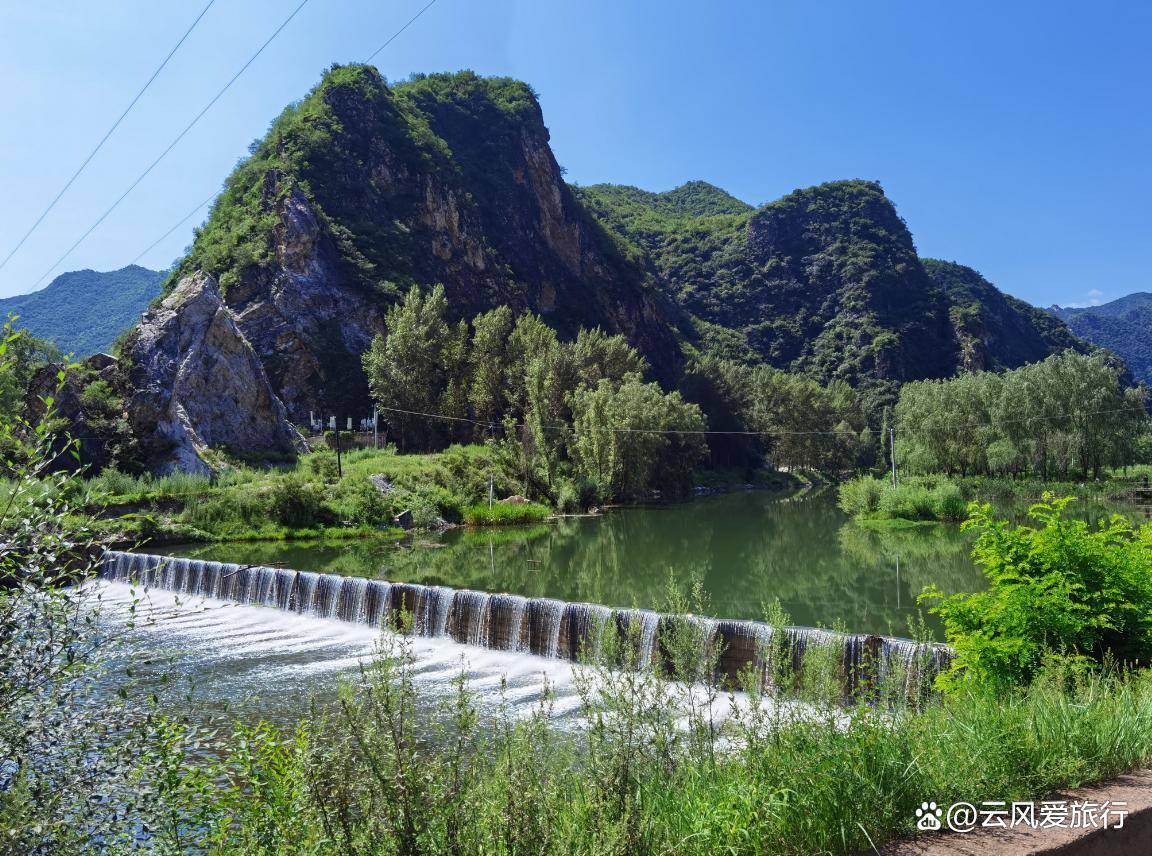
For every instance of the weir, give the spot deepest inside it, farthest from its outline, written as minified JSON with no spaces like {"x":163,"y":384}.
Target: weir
{"x":541,"y":626}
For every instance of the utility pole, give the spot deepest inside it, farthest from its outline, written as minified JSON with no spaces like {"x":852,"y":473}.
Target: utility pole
{"x":491,"y":493}
{"x":339,"y":464}
{"x":892,"y":451}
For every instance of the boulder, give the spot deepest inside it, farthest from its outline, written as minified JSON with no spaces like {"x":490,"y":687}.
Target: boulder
{"x":195,"y":382}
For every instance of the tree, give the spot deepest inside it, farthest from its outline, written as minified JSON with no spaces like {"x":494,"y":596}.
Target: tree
{"x":410,"y":367}
{"x":1056,"y":589}
{"x":488,"y":364}
{"x":634,"y":438}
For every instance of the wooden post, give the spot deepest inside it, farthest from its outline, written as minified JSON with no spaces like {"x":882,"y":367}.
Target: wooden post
{"x":892,"y":451}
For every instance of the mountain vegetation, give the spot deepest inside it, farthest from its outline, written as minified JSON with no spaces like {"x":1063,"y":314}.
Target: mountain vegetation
{"x":83,"y":312}
{"x":1123,"y":326}
{"x":365,"y":189}
{"x":996,"y":331}
{"x":825,"y":281}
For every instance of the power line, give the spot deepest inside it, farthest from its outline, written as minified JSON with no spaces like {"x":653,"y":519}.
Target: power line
{"x":704,"y":432}
{"x":396,"y":34}
{"x":175,"y":141}
{"x":104,"y":139}
{"x":186,"y":217}
{"x":183,"y":220}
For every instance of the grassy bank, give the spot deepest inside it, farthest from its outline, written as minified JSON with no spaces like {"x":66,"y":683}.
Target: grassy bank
{"x":367,"y":493}
{"x":942,"y":498}
{"x":653,"y":769}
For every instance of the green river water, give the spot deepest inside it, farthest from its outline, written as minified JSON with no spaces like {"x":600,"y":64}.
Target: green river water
{"x":745,"y":549}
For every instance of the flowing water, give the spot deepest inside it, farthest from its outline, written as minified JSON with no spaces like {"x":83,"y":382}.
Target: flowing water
{"x":744,"y":548}
{"x":282,"y":621}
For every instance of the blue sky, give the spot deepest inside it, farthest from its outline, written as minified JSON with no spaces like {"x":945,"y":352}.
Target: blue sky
{"x":1013,"y":137}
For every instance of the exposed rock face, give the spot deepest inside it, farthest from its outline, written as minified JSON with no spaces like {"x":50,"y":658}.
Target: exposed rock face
{"x":308,"y":326}
{"x":196,"y":383}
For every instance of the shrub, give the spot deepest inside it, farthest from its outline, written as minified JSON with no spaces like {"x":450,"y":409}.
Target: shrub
{"x":429,"y":504}
{"x":567,"y":497}
{"x":1060,"y":589}
{"x":297,"y":504}
{"x":860,"y":496}
{"x":323,"y":464}
{"x":906,"y":502}
{"x":948,"y":502}
{"x":362,"y":503}
{"x":505,"y":514}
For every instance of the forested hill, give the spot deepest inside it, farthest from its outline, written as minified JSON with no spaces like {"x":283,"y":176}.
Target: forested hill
{"x":84,"y":311}
{"x":363,"y":189}
{"x":826,"y":281}
{"x":1123,"y":326}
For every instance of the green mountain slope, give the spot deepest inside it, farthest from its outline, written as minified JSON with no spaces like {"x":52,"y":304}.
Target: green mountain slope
{"x":825,"y":281}
{"x":996,"y":331}
{"x":1123,"y":326}
{"x":84,"y":311}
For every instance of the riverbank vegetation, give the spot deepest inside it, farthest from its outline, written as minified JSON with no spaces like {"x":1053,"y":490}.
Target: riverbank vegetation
{"x":1069,"y":416}
{"x":88,"y":759}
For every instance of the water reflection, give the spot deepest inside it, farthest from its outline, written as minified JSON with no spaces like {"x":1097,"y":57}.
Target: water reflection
{"x":744,"y":548}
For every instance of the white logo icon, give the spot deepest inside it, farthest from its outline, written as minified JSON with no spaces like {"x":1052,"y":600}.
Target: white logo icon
{"x":928,"y":817}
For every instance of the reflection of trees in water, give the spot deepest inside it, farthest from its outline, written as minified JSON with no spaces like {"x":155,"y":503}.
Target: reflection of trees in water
{"x":745,"y":549}
{"x":938,"y":554}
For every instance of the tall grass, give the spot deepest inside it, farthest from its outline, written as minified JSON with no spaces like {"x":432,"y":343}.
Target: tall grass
{"x":505,"y":514}
{"x":650,"y":767}
{"x":915,"y":498}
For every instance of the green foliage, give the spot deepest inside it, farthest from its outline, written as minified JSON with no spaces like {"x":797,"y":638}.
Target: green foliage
{"x":1057,"y":589}
{"x":296,"y":503}
{"x":505,"y":514}
{"x":633,"y":438}
{"x":323,"y":464}
{"x":577,"y":409}
{"x":860,"y":496}
{"x":931,"y":498}
{"x":1069,"y":413}
{"x":360,"y":502}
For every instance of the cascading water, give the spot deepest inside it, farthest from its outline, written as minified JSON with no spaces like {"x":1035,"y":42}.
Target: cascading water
{"x":471,"y":611}
{"x":542,"y":626}
{"x":506,"y":627}
{"x":545,"y":626}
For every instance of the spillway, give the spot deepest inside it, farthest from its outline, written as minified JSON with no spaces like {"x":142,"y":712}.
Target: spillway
{"x":541,"y":626}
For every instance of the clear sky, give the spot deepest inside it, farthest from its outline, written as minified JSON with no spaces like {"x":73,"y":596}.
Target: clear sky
{"x":1015,"y":137}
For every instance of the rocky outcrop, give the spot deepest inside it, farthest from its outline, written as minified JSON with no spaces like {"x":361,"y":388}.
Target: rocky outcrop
{"x":195,"y":383}
{"x":366,"y":189}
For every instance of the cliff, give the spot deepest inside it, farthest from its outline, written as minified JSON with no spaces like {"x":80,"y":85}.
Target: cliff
{"x":362,"y":190}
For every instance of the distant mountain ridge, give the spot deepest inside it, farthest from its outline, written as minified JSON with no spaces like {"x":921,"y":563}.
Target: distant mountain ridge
{"x":84,"y":311}
{"x":1123,"y":326}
